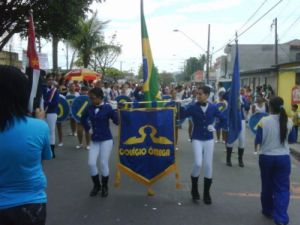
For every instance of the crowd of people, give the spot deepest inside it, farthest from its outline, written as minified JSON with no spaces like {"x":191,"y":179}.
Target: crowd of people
{"x":23,"y":182}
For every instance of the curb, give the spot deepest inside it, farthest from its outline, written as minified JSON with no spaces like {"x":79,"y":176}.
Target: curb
{"x":295,"y":153}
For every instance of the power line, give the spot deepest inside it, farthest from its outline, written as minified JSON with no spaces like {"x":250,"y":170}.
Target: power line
{"x":289,"y":28}
{"x":255,"y":12}
{"x":260,"y":18}
{"x":290,"y":15}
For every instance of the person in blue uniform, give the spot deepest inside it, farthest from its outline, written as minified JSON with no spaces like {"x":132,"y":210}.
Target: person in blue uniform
{"x":245,"y":106}
{"x":50,"y":98}
{"x":99,"y":114}
{"x":24,"y":143}
{"x":221,"y":126}
{"x":203,"y":115}
{"x":273,"y":134}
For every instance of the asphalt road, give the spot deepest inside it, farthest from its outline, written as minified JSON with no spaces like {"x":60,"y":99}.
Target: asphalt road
{"x":235,"y":192}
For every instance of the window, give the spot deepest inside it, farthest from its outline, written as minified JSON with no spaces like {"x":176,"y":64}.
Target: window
{"x":298,"y":57}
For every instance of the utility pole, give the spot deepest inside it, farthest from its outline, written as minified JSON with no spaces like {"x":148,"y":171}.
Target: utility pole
{"x":276,"y":42}
{"x":207,"y":57}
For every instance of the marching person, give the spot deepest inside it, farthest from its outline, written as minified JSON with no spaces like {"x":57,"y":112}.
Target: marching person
{"x":245,"y":106}
{"x":203,"y":115}
{"x":50,"y":98}
{"x":24,"y":143}
{"x":101,"y":145}
{"x":221,"y":126}
{"x":80,"y":130}
{"x":273,"y":134}
{"x":71,"y":95}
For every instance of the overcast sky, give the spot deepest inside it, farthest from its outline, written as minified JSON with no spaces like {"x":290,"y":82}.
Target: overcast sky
{"x":192,"y":17}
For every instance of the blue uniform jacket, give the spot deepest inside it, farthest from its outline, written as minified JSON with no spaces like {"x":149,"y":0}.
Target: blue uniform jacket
{"x":99,"y":121}
{"x":201,"y":120}
{"x":52,"y":105}
{"x":245,"y":106}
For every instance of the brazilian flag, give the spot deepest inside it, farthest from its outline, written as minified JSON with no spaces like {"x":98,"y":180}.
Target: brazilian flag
{"x":150,"y":74}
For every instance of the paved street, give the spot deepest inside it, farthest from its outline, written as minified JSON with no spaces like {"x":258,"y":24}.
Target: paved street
{"x":235,"y":192}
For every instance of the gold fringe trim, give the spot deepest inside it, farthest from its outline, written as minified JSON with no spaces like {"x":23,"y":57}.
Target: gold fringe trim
{"x":118,"y":179}
{"x":142,"y":179}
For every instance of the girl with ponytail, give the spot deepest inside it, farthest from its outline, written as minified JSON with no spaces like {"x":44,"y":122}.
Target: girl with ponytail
{"x":273,"y":135}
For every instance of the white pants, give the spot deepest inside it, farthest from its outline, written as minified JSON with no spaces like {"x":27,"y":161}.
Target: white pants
{"x":102,"y":151}
{"x":51,"y":121}
{"x":241,"y":137}
{"x":203,"y":149}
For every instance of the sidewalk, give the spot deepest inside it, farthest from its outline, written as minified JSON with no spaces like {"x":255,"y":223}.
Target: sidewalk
{"x":295,"y":149}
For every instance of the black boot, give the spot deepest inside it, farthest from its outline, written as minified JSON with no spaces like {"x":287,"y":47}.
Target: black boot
{"x":104,"y":192}
{"x":228,"y":156}
{"x":97,"y":185}
{"x":206,"y":195}
{"x":52,"y":150}
{"x":194,"y":191}
{"x":241,"y":153}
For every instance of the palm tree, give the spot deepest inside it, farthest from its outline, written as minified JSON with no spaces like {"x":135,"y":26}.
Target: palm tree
{"x":89,"y":36}
{"x":105,"y":55}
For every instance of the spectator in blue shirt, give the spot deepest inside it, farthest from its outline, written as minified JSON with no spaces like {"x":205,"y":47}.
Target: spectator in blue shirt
{"x":24,"y":144}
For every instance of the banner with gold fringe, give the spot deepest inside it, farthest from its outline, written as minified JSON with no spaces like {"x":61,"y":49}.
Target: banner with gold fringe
{"x":146,"y":144}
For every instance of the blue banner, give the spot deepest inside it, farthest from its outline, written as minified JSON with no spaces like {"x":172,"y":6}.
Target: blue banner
{"x":79,"y":106}
{"x":63,"y":110}
{"x":146,"y":144}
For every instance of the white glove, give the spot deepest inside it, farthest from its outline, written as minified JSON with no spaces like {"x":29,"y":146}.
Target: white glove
{"x":211,"y":128}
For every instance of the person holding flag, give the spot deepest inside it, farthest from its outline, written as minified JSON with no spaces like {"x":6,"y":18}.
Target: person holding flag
{"x":236,"y":118}
{"x":51,"y":97}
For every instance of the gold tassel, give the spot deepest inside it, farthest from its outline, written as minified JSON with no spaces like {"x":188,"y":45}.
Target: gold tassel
{"x":118,"y":179}
{"x":150,"y":192}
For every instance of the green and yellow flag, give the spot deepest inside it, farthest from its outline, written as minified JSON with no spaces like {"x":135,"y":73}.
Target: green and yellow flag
{"x":150,"y":74}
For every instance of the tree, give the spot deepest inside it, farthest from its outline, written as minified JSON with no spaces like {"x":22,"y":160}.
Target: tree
{"x":88,"y":37}
{"x":165,"y":78}
{"x":54,"y":19}
{"x":14,"y":17}
{"x":105,"y":55}
{"x":192,"y":65}
{"x":62,"y":21}
{"x":114,"y":73}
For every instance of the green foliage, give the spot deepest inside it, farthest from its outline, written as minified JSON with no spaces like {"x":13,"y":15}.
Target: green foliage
{"x":88,"y":37}
{"x":14,"y":17}
{"x":105,"y":55}
{"x":165,"y":78}
{"x":192,"y":65}
{"x":114,"y":73}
